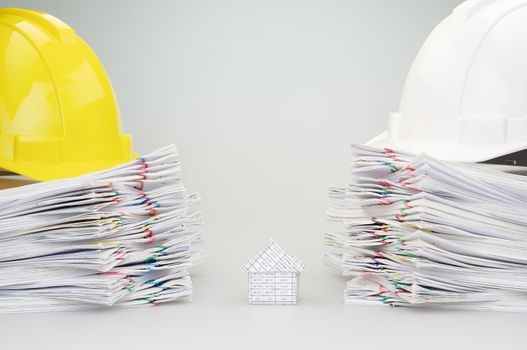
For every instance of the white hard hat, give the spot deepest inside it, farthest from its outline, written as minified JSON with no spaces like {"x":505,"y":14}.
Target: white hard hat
{"x":465,"y":98}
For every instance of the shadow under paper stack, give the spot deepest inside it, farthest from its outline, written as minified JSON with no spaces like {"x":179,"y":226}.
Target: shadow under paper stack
{"x":423,"y":232}
{"x":119,"y":237}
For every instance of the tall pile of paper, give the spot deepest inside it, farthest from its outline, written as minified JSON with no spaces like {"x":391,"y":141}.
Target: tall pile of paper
{"x":124,"y":236}
{"x":421,"y":232}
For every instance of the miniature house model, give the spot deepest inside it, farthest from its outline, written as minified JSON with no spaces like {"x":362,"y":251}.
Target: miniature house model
{"x":273,"y":276}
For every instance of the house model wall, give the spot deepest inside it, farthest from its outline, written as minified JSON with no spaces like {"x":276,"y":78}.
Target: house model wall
{"x":274,"y":275}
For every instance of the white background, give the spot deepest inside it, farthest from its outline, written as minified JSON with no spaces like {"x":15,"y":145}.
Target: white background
{"x":263,"y":99}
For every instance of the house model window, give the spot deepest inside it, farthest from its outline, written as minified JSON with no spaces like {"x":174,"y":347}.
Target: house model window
{"x":274,"y":276}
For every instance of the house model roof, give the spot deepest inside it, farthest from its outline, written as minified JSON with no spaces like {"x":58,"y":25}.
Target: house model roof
{"x":273,"y":258}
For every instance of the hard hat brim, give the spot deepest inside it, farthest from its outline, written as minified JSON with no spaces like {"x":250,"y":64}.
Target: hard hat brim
{"x":59,"y":170}
{"x":455,"y":152}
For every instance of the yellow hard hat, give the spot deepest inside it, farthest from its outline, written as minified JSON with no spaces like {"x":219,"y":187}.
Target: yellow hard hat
{"x":58,"y":114}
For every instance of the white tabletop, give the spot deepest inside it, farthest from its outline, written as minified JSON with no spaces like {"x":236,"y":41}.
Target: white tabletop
{"x":221,"y":317}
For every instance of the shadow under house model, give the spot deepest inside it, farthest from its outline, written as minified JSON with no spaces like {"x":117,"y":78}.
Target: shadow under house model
{"x":274,"y":276}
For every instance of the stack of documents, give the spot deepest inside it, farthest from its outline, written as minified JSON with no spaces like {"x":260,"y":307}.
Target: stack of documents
{"x":123,"y":236}
{"x":423,"y":232}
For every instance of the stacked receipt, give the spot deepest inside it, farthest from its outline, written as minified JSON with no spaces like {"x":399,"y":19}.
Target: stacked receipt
{"x":416,"y":231}
{"x":119,"y":237}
